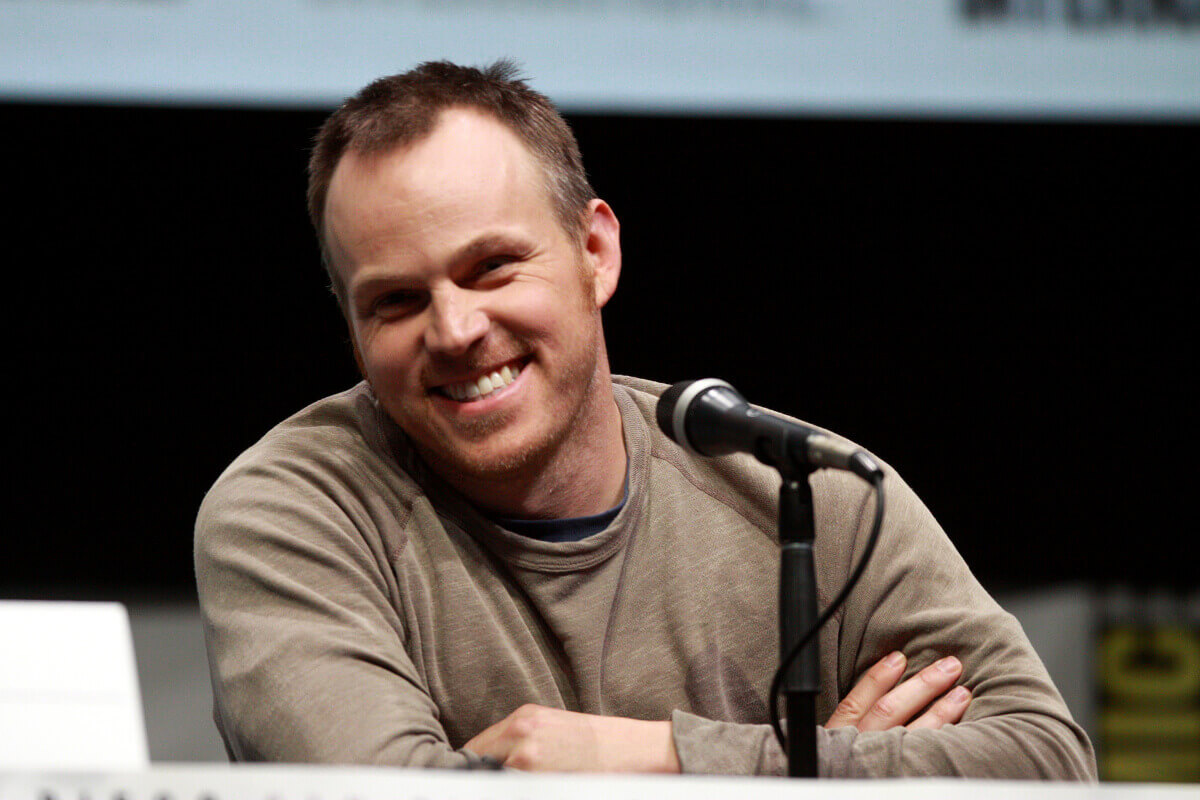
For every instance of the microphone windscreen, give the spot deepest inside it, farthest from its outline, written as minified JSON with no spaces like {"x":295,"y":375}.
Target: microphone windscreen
{"x":665,"y":410}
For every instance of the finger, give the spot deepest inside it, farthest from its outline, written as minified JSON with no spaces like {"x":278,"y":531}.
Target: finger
{"x":898,"y":706}
{"x":499,"y":738}
{"x":946,"y":711}
{"x":877,"y":682}
{"x":491,"y":742}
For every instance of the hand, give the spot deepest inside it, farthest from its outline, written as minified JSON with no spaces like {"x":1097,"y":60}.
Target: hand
{"x":541,"y":738}
{"x":873,"y":705}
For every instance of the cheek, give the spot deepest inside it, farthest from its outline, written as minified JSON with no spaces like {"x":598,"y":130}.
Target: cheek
{"x":551,"y":311}
{"x":384,"y":354}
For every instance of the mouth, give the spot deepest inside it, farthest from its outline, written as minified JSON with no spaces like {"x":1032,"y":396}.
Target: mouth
{"x":478,"y":388}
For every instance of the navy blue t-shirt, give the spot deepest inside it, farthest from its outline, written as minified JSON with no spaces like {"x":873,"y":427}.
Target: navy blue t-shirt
{"x":572,"y":529}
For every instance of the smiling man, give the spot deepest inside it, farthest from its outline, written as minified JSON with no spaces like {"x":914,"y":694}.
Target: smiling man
{"x":476,"y":315}
{"x":487,"y":549}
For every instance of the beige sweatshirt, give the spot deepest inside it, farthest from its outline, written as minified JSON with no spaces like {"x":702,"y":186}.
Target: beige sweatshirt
{"x":358,"y":610}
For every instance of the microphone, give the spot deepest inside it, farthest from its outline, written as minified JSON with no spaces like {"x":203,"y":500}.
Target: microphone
{"x":709,"y":418}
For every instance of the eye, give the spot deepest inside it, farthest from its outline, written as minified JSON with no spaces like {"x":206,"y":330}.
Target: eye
{"x":494,"y":263}
{"x":397,"y":303}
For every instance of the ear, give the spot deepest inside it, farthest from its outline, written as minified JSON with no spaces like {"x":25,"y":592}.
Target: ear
{"x":602,"y":249}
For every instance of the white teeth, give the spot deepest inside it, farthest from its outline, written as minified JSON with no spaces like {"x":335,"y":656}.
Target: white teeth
{"x":485,"y":385}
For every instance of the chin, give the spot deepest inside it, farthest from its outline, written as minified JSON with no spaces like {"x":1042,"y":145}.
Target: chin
{"x":487,"y":461}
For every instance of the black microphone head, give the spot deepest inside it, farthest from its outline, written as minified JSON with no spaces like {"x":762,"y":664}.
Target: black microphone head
{"x":675,"y":406}
{"x":665,"y":410}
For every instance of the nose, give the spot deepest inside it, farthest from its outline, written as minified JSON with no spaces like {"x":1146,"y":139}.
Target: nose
{"x":456,"y":322}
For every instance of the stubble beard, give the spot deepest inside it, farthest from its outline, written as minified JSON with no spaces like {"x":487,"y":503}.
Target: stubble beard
{"x":472,"y":455}
{"x":539,"y":458}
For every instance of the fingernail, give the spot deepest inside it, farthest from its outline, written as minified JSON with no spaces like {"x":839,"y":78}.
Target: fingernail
{"x":948,"y":664}
{"x":959,"y":695}
{"x":895,"y":659}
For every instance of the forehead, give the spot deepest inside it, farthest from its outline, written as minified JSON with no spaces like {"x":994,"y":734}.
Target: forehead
{"x":470,"y":168}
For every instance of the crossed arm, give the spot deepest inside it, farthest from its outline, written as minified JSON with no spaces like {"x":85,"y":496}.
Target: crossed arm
{"x":540,"y":738}
{"x":309,"y":662}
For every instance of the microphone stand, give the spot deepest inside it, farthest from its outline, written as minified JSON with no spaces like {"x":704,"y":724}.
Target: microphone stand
{"x":798,"y":613}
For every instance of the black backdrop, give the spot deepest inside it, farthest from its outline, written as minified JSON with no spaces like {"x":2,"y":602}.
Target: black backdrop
{"x":997,"y":308}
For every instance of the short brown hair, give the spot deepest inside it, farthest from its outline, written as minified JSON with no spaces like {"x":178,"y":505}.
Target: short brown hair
{"x":401,"y":109}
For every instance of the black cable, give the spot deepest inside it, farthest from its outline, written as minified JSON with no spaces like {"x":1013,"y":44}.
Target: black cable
{"x":777,"y":681}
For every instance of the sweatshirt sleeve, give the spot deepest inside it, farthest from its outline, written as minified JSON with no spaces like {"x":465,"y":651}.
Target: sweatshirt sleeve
{"x":306,"y":652}
{"x":918,"y":596}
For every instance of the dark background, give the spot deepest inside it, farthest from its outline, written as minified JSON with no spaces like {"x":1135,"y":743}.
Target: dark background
{"x":999,"y":309}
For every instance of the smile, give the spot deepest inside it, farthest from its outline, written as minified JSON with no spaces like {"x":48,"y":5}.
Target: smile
{"x":484,"y":385}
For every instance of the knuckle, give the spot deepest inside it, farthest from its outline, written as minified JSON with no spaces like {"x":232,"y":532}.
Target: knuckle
{"x":934,"y":676}
{"x":929,"y":677}
{"x":949,"y":709}
{"x":849,"y":707}
{"x":876,"y":685}
{"x":884,"y":708}
{"x":523,"y":756}
{"x":529,"y":714}
{"x":942,"y":713}
{"x":878,"y":672}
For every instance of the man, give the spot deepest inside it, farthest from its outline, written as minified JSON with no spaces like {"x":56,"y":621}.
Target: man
{"x":488,"y":550}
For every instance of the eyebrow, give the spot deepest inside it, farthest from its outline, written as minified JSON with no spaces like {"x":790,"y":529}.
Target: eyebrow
{"x":478,"y":247}
{"x":490,"y":242}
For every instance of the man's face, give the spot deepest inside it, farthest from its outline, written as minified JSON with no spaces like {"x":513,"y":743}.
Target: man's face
{"x":475,"y":316}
